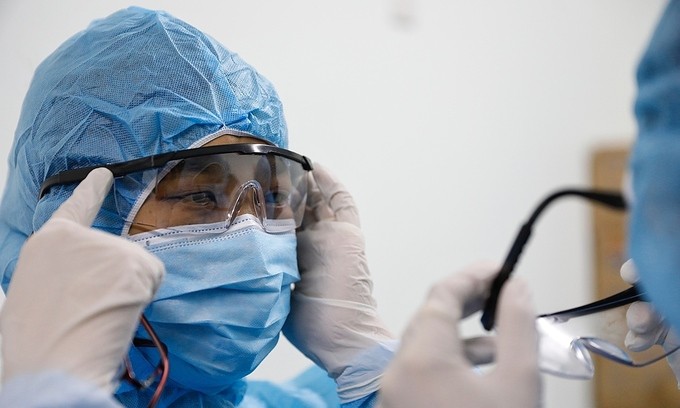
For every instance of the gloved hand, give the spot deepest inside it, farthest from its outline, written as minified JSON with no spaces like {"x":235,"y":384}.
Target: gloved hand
{"x":646,"y":328}
{"x":334,"y":320}
{"x":431,"y":368}
{"x":77,"y":293}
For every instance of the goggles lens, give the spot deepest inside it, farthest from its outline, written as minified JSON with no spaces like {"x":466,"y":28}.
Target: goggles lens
{"x":570,"y":337}
{"x":217,"y":188}
{"x":206,"y":185}
{"x":567,"y":344}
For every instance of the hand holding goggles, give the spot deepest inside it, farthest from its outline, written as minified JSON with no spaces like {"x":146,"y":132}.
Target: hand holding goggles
{"x":568,"y":337}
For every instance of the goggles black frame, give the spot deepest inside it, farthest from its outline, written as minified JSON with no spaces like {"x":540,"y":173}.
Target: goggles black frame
{"x":612,"y":199}
{"x":159,"y":160}
{"x":625,"y":297}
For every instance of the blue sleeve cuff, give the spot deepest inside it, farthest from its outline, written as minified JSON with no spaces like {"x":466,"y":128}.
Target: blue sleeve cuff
{"x":368,"y":401}
{"x":362,"y":378}
{"x":53,"y":389}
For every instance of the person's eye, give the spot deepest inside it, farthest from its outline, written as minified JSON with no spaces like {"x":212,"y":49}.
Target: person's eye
{"x":277,"y":197}
{"x":198,"y":198}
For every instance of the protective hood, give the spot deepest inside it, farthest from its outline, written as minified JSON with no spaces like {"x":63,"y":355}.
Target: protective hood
{"x":133,"y":84}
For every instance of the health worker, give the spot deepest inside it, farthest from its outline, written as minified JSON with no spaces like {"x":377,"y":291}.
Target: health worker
{"x":654,"y":230}
{"x":203,"y":181}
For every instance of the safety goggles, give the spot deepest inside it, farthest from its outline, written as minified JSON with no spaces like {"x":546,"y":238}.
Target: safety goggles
{"x":206,"y":185}
{"x":568,"y":337}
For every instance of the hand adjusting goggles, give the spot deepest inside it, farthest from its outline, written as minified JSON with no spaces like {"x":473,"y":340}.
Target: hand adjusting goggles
{"x":568,"y":337}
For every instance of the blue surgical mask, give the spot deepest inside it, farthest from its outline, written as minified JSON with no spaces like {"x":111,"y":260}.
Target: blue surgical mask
{"x":223,"y":302}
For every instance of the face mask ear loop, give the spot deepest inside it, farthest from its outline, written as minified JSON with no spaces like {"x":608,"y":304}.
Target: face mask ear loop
{"x":258,"y":203}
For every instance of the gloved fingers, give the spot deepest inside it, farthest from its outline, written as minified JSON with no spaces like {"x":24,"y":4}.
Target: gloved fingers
{"x":628,"y":272}
{"x":107,"y":281}
{"x":672,"y":341}
{"x":517,"y":338}
{"x":466,"y":291}
{"x":673,"y":360}
{"x":433,"y":332}
{"x":641,"y":318}
{"x":139,"y":262}
{"x":480,"y":350}
{"x":317,"y":208}
{"x":639,"y":342}
{"x":86,"y":200}
{"x":336,"y":196}
{"x":646,"y":327}
{"x":432,"y":338}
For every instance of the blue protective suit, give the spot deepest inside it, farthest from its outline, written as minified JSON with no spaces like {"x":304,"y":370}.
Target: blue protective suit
{"x":655,"y":166}
{"x":134,"y":84}
{"x":311,"y":389}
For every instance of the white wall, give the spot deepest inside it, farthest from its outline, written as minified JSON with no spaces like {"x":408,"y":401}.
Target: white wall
{"x":447,"y":120}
